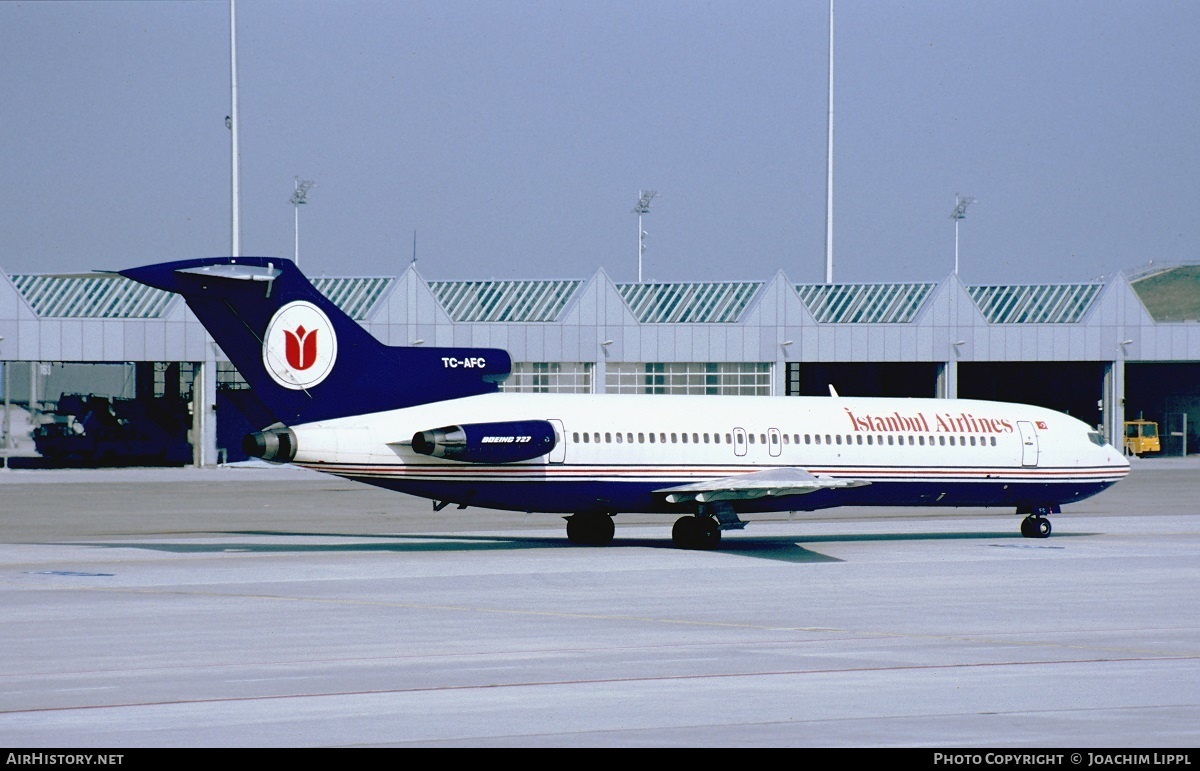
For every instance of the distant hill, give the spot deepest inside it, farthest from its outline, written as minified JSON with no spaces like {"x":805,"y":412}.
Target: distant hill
{"x":1173,"y":295}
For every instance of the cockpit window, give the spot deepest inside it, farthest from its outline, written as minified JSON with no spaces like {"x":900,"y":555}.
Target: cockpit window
{"x":1096,"y":437}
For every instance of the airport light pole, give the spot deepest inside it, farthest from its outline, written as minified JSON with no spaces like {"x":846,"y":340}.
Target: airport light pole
{"x":829,"y":163}
{"x":299,"y":198}
{"x":958,"y":215}
{"x":642,"y":208}
{"x":231,"y":122}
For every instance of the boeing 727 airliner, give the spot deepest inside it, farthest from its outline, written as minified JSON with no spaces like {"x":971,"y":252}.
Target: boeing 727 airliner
{"x":431,"y":422}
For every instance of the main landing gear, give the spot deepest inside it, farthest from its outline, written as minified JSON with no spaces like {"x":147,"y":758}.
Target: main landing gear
{"x":703,"y":529}
{"x":1036,"y":525}
{"x":696,"y":532}
{"x":590,"y":529}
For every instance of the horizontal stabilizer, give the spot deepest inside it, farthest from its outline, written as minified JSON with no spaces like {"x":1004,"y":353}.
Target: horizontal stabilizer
{"x":771,"y":483}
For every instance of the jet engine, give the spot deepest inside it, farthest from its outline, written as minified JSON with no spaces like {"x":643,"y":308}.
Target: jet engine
{"x":275,"y":443}
{"x":505,"y":442}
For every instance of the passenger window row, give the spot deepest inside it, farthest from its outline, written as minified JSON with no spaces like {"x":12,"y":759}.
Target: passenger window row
{"x":891,"y":440}
{"x":648,"y":438}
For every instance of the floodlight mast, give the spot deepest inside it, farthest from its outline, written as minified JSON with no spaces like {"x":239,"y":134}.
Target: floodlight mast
{"x":299,"y":198}
{"x":961,"y":203}
{"x":231,"y":123}
{"x":642,"y":208}
{"x":829,"y":163}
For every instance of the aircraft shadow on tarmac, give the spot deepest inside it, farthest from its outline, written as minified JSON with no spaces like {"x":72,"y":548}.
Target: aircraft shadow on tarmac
{"x":779,"y":548}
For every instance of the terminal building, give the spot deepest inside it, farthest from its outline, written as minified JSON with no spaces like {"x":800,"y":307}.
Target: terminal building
{"x":1103,"y":351}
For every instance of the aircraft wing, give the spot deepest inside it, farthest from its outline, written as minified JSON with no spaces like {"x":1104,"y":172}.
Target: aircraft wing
{"x":771,"y":483}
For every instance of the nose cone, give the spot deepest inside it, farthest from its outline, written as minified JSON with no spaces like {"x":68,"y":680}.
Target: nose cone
{"x":1116,"y":461}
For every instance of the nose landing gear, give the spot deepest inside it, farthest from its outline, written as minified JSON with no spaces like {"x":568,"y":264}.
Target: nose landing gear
{"x":1036,"y":525}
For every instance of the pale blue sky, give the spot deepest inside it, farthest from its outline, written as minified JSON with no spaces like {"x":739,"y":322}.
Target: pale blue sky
{"x":514,"y":136}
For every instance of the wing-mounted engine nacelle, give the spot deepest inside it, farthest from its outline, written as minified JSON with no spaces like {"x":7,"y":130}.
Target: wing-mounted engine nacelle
{"x":507,"y":442}
{"x":276,"y":443}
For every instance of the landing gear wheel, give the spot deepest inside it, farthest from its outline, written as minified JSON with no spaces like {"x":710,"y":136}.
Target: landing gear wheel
{"x":1035,"y":527}
{"x":683,"y":534}
{"x":696,"y":533}
{"x":590,"y":529}
{"x":708,"y":532}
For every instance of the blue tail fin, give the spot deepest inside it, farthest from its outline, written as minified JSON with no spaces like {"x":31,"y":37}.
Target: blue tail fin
{"x":304,"y":357}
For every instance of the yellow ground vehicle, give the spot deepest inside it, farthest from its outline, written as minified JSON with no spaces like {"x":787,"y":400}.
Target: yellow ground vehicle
{"x":1141,"y":437}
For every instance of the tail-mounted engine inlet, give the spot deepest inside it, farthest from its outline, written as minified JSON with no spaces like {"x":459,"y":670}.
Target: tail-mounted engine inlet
{"x":505,"y":442}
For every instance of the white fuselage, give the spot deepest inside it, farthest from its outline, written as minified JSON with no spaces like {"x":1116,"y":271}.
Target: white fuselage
{"x":613,"y":452}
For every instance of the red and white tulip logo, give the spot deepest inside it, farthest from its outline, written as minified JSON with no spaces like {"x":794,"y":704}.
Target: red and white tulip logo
{"x":300,"y":347}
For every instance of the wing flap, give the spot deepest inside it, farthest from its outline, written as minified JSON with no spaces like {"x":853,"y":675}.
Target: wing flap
{"x":771,"y":483}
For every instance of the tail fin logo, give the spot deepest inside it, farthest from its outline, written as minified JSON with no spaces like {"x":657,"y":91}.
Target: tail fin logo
{"x":300,"y":347}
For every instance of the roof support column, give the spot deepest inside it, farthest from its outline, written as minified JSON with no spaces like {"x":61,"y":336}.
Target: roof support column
{"x":204,"y":411}
{"x":947,"y":380}
{"x":599,"y":372}
{"x":8,"y":443}
{"x":1112,"y":406}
